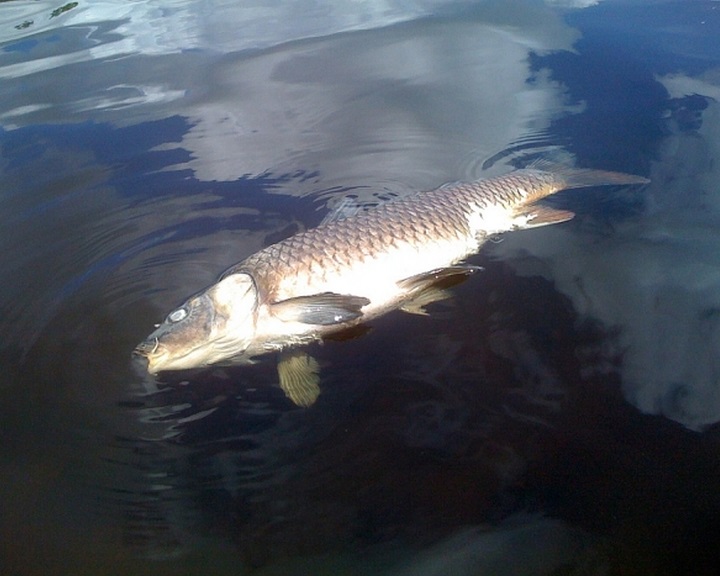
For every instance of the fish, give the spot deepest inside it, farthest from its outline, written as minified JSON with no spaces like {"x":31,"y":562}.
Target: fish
{"x":401,"y":254}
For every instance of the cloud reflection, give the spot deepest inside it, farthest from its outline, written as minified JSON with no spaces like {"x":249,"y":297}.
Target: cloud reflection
{"x":656,"y":277}
{"x":408,"y":107}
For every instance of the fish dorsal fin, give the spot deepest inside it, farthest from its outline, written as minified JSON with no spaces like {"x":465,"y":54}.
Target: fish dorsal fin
{"x":429,"y":287}
{"x":299,"y":376}
{"x":359,"y":202}
{"x":322,"y":309}
{"x":345,"y":208}
{"x":534,"y":216}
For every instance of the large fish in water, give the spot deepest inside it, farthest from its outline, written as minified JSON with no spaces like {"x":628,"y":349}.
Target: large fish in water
{"x":350,"y":270}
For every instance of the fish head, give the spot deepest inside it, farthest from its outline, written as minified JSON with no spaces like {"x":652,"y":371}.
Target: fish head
{"x":211,"y":326}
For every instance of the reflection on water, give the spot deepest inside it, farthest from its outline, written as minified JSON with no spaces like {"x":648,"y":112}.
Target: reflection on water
{"x":436,"y":432}
{"x":662,"y":259}
{"x":341,"y":104}
{"x":147,"y":146}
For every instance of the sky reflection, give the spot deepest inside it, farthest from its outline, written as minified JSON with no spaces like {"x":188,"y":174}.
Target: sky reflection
{"x":145,"y":146}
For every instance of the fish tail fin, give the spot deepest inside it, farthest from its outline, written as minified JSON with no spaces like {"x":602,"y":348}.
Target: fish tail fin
{"x":585,"y":177}
{"x":555,"y":177}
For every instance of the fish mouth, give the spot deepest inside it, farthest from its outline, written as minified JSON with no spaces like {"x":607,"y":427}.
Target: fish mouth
{"x":158,"y":357}
{"x":152,"y":352}
{"x":147,"y":347}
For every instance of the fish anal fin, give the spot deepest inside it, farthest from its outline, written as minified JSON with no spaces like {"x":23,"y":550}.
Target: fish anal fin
{"x":534,"y":216}
{"x":299,"y":376}
{"x":429,"y":287}
{"x":322,"y":309}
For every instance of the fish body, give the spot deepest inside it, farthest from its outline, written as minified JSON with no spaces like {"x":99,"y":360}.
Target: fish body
{"x":350,"y":270}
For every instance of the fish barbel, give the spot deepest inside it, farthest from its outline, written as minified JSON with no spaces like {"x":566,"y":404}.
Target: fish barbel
{"x":350,"y":270}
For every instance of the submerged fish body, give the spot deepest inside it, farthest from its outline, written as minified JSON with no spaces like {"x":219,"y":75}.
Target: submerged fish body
{"x":350,"y":270}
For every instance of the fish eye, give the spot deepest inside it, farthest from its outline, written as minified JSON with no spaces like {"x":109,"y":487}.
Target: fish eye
{"x":177,"y":315}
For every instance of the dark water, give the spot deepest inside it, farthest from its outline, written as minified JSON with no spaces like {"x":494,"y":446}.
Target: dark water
{"x":557,"y":416}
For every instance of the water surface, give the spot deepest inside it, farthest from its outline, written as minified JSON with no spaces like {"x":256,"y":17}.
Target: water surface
{"x":557,"y":416}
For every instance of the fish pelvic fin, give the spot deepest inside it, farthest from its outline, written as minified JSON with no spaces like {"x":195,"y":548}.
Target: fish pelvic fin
{"x":429,"y":287}
{"x":299,"y":376}
{"x":417,"y":305}
{"x":447,"y":276}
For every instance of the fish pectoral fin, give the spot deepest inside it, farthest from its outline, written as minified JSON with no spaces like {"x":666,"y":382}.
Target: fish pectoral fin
{"x":429,"y":287}
{"x":299,"y":375}
{"x":322,"y":309}
{"x":534,"y":216}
